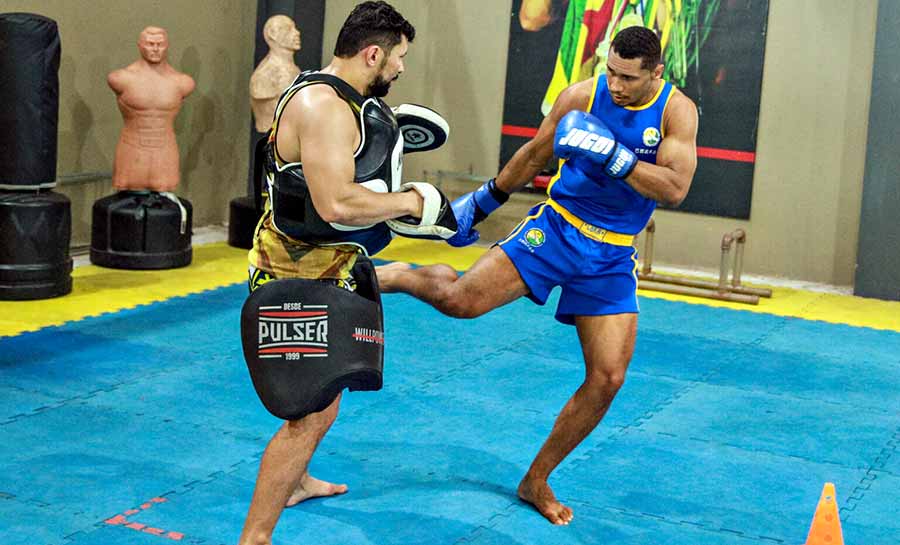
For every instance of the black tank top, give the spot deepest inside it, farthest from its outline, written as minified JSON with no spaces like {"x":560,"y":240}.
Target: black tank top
{"x":378,"y":161}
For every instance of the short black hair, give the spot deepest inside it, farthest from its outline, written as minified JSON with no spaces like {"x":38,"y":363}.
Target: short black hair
{"x":638,"y":42}
{"x":372,"y":23}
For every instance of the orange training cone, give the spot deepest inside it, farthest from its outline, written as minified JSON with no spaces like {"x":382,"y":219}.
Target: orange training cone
{"x":826,"y":524}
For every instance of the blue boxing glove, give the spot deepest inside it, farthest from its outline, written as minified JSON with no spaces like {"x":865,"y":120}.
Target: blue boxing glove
{"x":591,"y":146}
{"x":473,"y":207}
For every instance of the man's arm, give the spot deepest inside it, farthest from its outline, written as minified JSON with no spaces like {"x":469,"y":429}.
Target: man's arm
{"x":327,"y":135}
{"x":670,"y":178}
{"x":525,"y":164}
{"x":531,"y":158}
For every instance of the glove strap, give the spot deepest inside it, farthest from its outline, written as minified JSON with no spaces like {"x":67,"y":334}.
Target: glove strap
{"x":499,"y":195}
{"x":488,"y":198}
{"x":621,"y":163}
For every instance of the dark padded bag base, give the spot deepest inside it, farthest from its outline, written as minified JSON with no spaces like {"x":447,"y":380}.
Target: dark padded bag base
{"x":35,"y":229}
{"x":244,"y":212}
{"x":140,"y":230}
{"x":242,"y":219}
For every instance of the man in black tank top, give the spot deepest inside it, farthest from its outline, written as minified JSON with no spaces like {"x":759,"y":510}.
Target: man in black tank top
{"x":328,"y":215}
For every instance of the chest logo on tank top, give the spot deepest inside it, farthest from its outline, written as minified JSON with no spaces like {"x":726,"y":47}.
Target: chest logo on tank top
{"x":651,"y":136}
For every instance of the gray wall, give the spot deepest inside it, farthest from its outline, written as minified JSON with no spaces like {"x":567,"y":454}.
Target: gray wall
{"x":878,"y":274}
{"x":212,"y":40}
{"x":812,"y":131}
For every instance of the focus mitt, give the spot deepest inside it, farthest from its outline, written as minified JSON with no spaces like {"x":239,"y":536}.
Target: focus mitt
{"x":437,"y":222}
{"x":423,"y":128}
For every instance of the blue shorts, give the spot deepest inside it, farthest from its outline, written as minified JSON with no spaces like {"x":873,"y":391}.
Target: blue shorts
{"x":596,"y":278}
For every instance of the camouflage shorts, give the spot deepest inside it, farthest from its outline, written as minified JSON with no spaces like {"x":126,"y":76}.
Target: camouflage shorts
{"x":275,"y":255}
{"x":259,"y":277}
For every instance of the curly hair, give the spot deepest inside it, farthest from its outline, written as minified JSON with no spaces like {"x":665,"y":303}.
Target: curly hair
{"x":638,"y":42}
{"x":372,"y":23}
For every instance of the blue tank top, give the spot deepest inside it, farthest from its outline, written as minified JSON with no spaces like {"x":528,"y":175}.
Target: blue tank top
{"x":607,"y":202}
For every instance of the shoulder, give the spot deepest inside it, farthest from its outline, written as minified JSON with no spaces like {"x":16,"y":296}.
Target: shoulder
{"x":115,"y":76}
{"x":261,"y":78}
{"x":574,"y":97}
{"x":680,"y":105}
{"x":121,"y":73}
{"x":186,"y":82}
{"x":315,"y":97}
{"x":680,"y":112}
{"x":578,"y":95}
{"x":316,"y":104}
{"x":118,"y":79}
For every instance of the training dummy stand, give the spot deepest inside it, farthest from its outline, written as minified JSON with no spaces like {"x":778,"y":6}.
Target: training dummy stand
{"x":144,"y":225}
{"x":275,"y":72}
{"x":721,"y":290}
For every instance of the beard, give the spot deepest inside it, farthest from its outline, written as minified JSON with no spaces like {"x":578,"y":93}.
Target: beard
{"x":380,"y":87}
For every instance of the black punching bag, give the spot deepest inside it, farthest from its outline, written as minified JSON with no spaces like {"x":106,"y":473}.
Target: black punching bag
{"x":35,"y":229}
{"x":29,"y":100}
{"x":35,"y":224}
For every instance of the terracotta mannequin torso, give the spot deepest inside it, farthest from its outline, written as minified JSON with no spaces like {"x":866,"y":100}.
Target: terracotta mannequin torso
{"x":149,"y":94}
{"x":276,"y":71}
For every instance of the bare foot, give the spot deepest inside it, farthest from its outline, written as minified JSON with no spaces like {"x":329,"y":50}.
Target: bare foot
{"x":538,"y":493}
{"x":387,"y":273}
{"x":310,"y":487}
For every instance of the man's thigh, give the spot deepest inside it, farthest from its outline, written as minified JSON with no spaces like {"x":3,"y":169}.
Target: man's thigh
{"x":492,"y":281}
{"x":606,"y":283}
{"x":607,"y":341}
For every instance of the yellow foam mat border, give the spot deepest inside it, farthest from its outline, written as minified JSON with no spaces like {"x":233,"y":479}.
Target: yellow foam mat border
{"x":97,"y":290}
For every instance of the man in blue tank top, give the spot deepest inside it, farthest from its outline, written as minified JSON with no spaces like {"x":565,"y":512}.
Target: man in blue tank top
{"x":626,"y":141}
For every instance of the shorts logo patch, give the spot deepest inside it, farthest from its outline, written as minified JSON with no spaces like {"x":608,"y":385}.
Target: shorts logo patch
{"x":651,"y":136}
{"x":535,"y":237}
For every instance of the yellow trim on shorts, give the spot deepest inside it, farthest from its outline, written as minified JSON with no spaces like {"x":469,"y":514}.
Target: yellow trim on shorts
{"x":522,"y":223}
{"x":592,"y":231}
{"x":634,"y":272}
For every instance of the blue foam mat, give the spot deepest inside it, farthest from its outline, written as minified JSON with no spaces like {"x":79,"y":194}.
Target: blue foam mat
{"x":727,"y":427}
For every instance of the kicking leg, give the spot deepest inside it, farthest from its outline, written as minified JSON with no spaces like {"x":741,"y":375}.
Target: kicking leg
{"x":607,"y":343}
{"x":492,"y":281}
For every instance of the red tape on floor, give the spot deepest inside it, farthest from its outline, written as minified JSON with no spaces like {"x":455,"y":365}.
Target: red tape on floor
{"x":122,"y":520}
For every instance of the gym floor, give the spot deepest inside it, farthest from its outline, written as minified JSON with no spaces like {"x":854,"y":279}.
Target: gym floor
{"x":127,"y":417}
